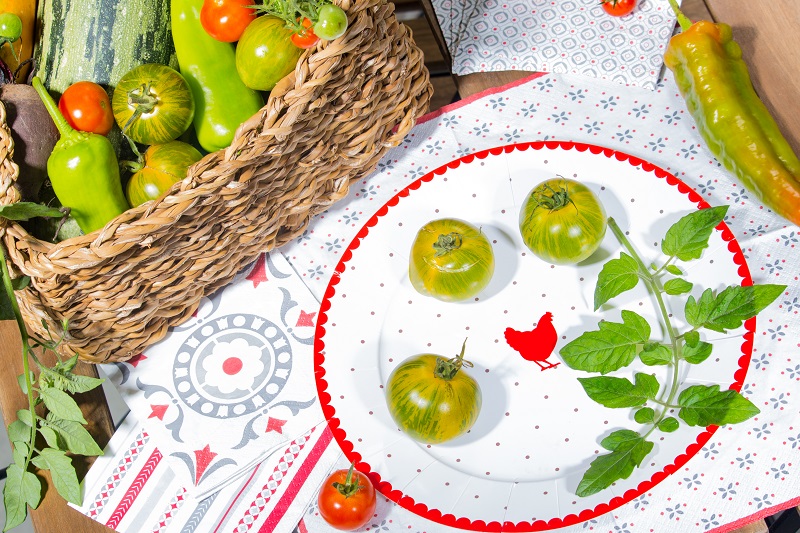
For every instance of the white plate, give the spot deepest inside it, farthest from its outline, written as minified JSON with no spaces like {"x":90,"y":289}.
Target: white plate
{"x":537,"y":431}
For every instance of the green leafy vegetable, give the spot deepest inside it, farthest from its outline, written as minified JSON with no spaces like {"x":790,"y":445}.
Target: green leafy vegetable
{"x":615,"y":345}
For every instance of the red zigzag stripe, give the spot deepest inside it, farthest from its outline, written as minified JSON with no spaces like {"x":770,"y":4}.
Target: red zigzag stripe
{"x":135,"y":488}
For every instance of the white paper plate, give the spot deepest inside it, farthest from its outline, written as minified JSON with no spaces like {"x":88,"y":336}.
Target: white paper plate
{"x":519,"y":466}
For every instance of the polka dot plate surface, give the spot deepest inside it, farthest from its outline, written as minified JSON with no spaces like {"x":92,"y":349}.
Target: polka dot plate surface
{"x":519,"y":466}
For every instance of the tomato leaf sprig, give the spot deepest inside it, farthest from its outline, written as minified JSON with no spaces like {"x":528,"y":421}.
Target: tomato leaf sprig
{"x":616,"y":345}
{"x":42,"y":442}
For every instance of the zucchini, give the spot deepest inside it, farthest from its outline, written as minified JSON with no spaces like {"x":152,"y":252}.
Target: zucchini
{"x":100,"y":40}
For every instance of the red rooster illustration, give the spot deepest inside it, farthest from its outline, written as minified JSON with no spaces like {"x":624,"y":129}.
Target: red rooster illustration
{"x":535,"y":345}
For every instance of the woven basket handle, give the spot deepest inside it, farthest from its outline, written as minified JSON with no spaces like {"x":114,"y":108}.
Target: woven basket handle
{"x":9,"y":171}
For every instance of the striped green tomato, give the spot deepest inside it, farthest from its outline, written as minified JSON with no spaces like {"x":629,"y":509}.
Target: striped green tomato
{"x":451,"y":260}
{"x":431,"y":399}
{"x":562,"y":221}
{"x":152,"y":104}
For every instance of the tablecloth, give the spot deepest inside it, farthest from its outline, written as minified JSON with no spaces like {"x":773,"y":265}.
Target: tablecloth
{"x":744,"y":471}
{"x":572,"y":36}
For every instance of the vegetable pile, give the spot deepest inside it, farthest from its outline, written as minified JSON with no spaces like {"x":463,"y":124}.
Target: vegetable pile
{"x":93,"y":148}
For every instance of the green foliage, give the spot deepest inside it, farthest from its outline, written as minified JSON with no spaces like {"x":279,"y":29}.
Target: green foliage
{"x":614,"y":346}
{"x":62,"y":427}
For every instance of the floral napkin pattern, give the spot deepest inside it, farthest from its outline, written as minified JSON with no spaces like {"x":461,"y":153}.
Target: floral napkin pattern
{"x":565,"y":36}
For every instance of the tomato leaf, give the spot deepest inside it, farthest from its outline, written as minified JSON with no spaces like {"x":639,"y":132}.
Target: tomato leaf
{"x":736,"y":304}
{"x":611,"y":348}
{"x":620,"y":392}
{"x":698,"y":353}
{"x":18,"y":431}
{"x":655,"y":354}
{"x":691,"y":338}
{"x":669,"y":424}
{"x":75,"y":436}
{"x":62,"y":472}
{"x":706,"y":405}
{"x":616,"y":277}
{"x":688,"y":237}
{"x":61,"y":404}
{"x":644,"y":415}
{"x":698,"y":311}
{"x":678,"y":286}
{"x":628,"y":450}
{"x":22,"y":211}
{"x":675,"y":270}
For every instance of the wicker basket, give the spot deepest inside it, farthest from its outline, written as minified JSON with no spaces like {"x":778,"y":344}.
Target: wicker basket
{"x":323,"y":127}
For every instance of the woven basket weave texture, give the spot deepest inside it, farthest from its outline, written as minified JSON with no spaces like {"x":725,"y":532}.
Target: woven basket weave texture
{"x":323,"y":127}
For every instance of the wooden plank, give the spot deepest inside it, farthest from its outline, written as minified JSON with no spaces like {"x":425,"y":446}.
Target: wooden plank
{"x":765,"y":35}
{"x":53,"y":514}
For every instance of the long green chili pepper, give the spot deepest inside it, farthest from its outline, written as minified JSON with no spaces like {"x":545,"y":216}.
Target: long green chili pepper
{"x":738,"y":128}
{"x":84,"y":171}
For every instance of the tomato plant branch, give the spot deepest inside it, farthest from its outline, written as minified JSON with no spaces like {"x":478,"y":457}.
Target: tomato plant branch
{"x":654,"y":284}
{"x":23,"y":331}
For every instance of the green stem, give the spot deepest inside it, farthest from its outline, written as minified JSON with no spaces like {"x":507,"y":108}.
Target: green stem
{"x":664,"y":266}
{"x":657,"y":289}
{"x":52,"y":109}
{"x":23,"y":331}
{"x":683,"y":20}
{"x":447,"y":369}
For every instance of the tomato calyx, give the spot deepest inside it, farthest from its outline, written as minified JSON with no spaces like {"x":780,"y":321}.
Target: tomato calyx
{"x":350,"y":486}
{"x":447,"y":369}
{"x":144,"y":100}
{"x":555,"y":200}
{"x":447,"y":243}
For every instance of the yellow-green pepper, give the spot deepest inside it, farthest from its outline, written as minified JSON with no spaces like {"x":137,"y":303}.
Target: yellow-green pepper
{"x":739,"y":130}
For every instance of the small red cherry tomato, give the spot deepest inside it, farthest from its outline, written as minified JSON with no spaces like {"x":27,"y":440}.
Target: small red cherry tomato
{"x":618,"y":8}
{"x":347,"y":499}
{"x":86,"y":107}
{"x":225,"y":20}
{"x":307,"y":38}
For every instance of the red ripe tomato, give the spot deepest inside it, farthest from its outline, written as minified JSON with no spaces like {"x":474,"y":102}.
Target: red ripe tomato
{"x":618,"y":8}
{"x":307,"y":38}
{"x":86,"y":107}
{"x":347,"y":499}
{"x":225,"y":20}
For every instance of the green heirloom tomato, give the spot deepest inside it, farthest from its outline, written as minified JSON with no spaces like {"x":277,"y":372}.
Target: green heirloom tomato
{"x":162,"y":165}
{"x":431,"y":399}
{"x":451,"y":260}
{"x":153,"y":104}
{"x":562,"y":221}
{"x":265,"y":53}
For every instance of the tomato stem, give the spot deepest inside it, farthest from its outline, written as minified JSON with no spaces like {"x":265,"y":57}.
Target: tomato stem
{"x":683,"y":20}
{"x":447,"y":243}
{"x":350,"y":487}
{"x":447,"y":369}
{"x":552,"y":202}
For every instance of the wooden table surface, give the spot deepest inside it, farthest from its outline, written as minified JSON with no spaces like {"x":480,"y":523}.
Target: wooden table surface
{"x":764,"y":33}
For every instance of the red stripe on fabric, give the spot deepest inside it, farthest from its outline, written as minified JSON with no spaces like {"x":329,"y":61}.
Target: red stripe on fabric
{"x":747,"y":520}
{"x":301,"y":527}
{"x":298,"y":481}
{"x":236,"y":499}
{"x":492,"y":90}
{"x":136,"y":487}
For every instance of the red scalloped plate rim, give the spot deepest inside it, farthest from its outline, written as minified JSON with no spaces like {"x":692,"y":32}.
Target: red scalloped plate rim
{"x":436,"y":515}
